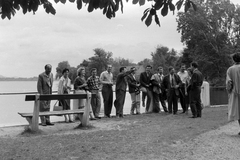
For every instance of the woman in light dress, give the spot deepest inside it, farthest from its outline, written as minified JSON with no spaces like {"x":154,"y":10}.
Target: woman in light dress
{"x":64,"y":87}
{"x":233,"y":89}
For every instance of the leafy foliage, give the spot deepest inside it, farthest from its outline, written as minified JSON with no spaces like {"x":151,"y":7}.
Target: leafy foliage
{"x":211,"y":36}
{"x":61,"y":66}
{"x":164,"y":6}
{"x":164,"y":57}
{"x":8,"y":8}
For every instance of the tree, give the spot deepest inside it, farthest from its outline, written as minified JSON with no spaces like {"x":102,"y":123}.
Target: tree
{"x":8,"y":8}
{"x":164,"y":57}
{"x":145,"y":62}
{"x":61,"y":66}
{"x":211,"y":35}
{"x":120,"y":62}
{"x":100,"y":60}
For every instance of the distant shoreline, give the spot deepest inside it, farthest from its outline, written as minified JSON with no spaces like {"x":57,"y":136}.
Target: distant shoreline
{"x":18,"y":79}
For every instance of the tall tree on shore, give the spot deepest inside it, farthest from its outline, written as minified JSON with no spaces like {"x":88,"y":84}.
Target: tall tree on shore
{"x":120,"y":62}
{"x":164,"y":57}
{"x":61,"y":66}
{"x":211,"y":35}
{"x":100,"y":60}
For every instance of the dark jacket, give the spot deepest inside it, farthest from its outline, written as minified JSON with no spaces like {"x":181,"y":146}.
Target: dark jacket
{"x":145,"y":80}
{"x":196,"y":79}
{"x":166,"y":84}
{"x":132,"y":83}
{"x":121,"y":82}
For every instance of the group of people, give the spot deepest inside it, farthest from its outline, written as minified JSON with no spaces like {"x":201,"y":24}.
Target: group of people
{"x":156,"y":89}
{"x":184,"y":86}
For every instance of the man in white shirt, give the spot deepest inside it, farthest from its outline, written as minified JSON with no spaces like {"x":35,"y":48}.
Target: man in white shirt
{"x":183,"y":74}
{"x":106,"y":79}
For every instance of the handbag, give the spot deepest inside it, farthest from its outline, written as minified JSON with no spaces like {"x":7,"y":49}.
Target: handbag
{"x":58,"y":107}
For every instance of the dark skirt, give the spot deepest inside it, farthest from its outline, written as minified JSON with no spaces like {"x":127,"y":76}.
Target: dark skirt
{"x":65,"y":103}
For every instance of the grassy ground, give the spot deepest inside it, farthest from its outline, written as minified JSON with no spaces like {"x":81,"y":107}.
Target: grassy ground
{"x":146,"y":136}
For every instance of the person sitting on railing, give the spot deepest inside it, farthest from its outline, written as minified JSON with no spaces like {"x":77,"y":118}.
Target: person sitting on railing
{"x":64,"y":87}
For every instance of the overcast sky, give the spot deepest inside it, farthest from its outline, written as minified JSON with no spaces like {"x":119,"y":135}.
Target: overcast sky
{"x":28,"y":42}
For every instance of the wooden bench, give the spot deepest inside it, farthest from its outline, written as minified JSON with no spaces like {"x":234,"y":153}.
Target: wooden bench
{"x":33,"y":118}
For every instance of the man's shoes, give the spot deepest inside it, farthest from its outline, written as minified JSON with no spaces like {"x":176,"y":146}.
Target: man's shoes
{"x":43,"y":124}
{"x":107,"y":116}
{"x":174,"y":113}
{"x":199,"y":116}
{"x":166,"y":111}
{"x":138,"y":113}
{"x":193,"y":117}
{"x":49,"y":124}
{"x":98,"y":117}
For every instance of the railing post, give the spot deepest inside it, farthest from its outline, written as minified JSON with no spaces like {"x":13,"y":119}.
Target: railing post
{"x":35,"y":118}
{"x":85,"y":120}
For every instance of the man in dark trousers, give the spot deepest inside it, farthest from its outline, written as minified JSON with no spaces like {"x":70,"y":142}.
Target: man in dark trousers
{"x":106,"y":79}
{"x":145,"y":81}
{"x":134,"y":91}
{"x":183,"y":74}
{"x":171,"y":84}
{"x":195,"y":91}
{"x":121,"y":86}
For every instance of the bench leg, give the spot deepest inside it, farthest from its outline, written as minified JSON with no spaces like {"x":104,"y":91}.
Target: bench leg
{"x":85,"y":119}
{"x":29,"y":119}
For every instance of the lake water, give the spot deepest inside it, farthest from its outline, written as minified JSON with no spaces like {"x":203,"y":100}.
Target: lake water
{"x":12,"y":104}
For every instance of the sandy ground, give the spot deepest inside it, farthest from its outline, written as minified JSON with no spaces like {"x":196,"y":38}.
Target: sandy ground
{"x":147,"y":136}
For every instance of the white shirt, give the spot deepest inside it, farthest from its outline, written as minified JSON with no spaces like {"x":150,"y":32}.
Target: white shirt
{"x":64,"y":82}
{"x":183,"y":76}
{"x":106,"y":77}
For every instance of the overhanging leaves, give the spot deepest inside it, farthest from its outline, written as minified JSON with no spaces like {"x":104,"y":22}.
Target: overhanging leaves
{"x":110,"y":7}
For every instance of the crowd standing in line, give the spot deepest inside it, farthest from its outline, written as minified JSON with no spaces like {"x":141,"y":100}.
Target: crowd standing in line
{"x":183,"y":86}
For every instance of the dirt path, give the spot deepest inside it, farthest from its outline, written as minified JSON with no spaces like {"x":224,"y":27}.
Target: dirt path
{"x":147,"y":136}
